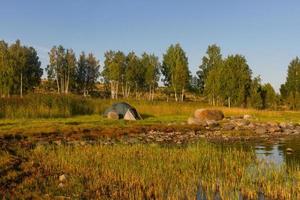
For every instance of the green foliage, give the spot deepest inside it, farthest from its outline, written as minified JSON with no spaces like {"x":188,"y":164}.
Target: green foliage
{"x":255,"y":93}
{"x":236,"y":78}
{"x":130,"y":73}
{"x":6,"y":70}
{"x":290,"y":91}
{"x":61,"y":68}
{"x":175,"y":69}
{"x":213,"y":59}
{"x":20,"y":69}
{"x":227,"y":82}
{"x":134,"y":73}
{"x":86,"y":73}
{"x":213,"y":84}
{"x":114,"y":65}
{"x":269,"y":98}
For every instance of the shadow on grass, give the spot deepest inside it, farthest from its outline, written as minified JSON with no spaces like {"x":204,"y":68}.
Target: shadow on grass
{"x":145,"y":116}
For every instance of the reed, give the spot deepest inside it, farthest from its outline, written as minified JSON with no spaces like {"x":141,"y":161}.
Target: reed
{"x":155,"y":172}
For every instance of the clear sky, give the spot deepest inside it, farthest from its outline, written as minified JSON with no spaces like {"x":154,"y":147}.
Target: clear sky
{"x":266,"y":32}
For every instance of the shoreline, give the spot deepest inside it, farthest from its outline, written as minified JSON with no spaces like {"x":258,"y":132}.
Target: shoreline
{"x":227,"y":130}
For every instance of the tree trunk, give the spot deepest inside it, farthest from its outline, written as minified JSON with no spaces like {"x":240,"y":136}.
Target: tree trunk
{"x":136,"y":94}
{"x":149,"y":97}
{"x":182,"y":94}
{"x":152,"y":95}
{"x":229,"y":102}
{"x":112,"y":89}
{"x":176,"y":99}
{"x":21,"y":86}
{"x":117,"y":89}
{"x":57,"y":82}
{"x":67,"y":83}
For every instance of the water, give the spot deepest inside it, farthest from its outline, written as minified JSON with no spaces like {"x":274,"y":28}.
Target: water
{"x":279,"y":151}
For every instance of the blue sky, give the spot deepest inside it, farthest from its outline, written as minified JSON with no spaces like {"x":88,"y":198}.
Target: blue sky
{"x":266,"y":32}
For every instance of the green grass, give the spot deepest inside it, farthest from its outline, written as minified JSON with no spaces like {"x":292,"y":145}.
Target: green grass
{"x":162,"y":113}
{"x":145,"y":171}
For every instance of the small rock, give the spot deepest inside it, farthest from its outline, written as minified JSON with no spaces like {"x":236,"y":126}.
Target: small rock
{"x":242,"y":122}
{"x":159,"y":140}
{"x":287,"y":131}
{"x":247,"y":116}
{"x":260,"y":130}
{"x":273,"y":129}
{"x":228,"y":127}
{"x":112,"y":115}
{"x":62,"y":178}
{"x":251,"y":125}
{"x":283,"y":125}
{"x":212,"y":123}
{"x":236,"y":117}
{"x":289,"y":150}
{"x":57,"y":142}
{"x":195,"y":121}
{"x":272,"y":123}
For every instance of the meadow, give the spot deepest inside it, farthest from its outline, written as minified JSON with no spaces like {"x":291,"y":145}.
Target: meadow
{"x":53,"y":113}
{"x":30,"y":169}
{"x":152,"y":172}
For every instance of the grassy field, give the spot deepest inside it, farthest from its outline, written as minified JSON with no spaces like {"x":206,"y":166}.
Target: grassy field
{"x":151,"y":172}
{"x":31,"y":169}
{"x":154,"y":113}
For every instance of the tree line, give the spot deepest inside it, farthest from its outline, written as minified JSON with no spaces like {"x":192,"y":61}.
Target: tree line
{"x":224,"y":81}
{"x":20,"y":69}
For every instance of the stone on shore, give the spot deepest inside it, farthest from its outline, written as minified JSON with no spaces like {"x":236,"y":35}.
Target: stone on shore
{"x":112,"y":115}
{"x":208,"y":114}
{"x":247,"y":117}
{"x":195,"y":121}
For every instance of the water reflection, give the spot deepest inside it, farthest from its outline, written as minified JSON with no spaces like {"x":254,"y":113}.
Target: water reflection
{"x":279,"y":151}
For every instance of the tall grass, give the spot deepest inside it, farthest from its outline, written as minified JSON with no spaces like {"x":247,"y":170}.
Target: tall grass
{"x":44,"y":106}
{"x":154,"y":172}
{"x":54,"y":106}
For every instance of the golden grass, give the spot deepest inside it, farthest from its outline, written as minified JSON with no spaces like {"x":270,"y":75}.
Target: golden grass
{"x":150,"y":171}
{"x":153,"y":113}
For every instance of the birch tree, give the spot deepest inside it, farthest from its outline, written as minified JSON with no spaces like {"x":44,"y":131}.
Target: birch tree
{"x":175,"y":70}
{"x":61,"y":68}
{"x":114,"y":66}
{"x":6,"y":71}
{"x":151,"y":65}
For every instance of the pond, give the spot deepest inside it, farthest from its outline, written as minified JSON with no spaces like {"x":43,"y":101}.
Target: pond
{"x":279,"y":151}
{"x":284,"y":150}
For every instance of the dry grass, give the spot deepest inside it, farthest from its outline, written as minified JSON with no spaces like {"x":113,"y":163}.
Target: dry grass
{"x":153,"y":172}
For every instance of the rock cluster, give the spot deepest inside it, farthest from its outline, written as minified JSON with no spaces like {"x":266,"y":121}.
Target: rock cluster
{"x":229,"y":128}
